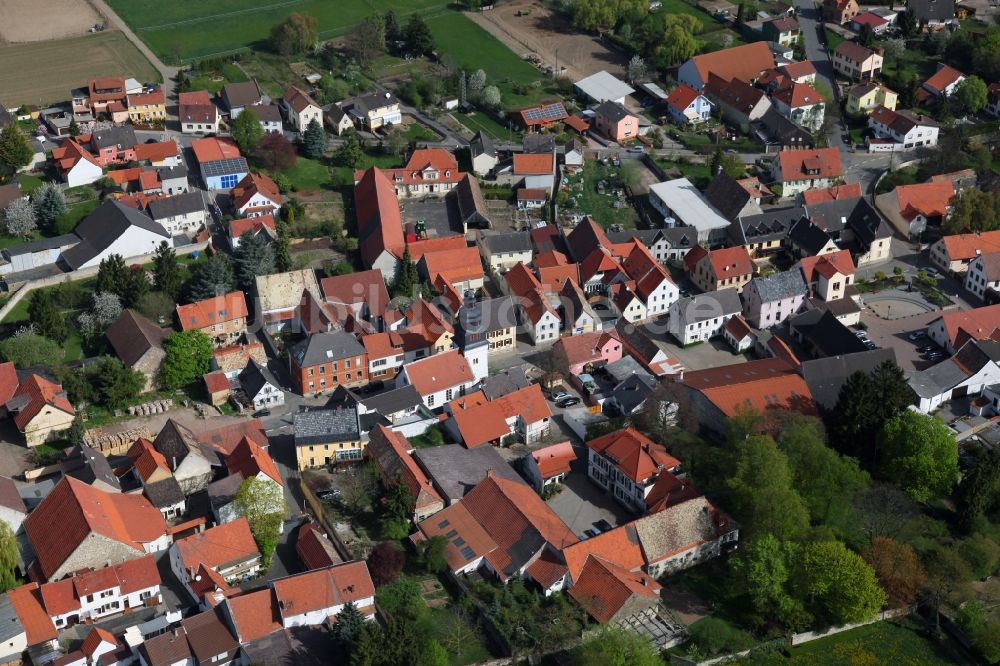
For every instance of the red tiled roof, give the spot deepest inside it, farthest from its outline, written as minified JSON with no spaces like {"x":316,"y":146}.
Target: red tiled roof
{"x":195,"y":97}
{"x":212,"y":311}
{"x":212,"y":149}
{"x":927,"y":199}
{"x":255,"y":614}
{"x":798,"y":95}
{"x":217,"y":546}
{"x":131,"y":576}
{"x":554,"y":459}
{"x":668,"y":491}
{"x":978,"y":323}
{"x":960,"y":247}
{"x":868,"y":18}
{"x":216,"y":382}
{"x":362,"y":287}
{"x":456,"y":518}
{"x":298,"y":100}
{"x":682,"y":97}
{"x":853,"y":51}
{"x":731,"y":261}
{"x":40,"y":393}
{"x":243,"y":225}
{"x":577,"y":123}
{"x":27,"y":603}
{"x":95,"y":638}
{"x":944,"y":77}
{"x":744,"y":62}
{"x":835,"y":193}
{"x":620,"y":545}
{"x":481,"y":421}
{"x":604,"y":588}
{"x":156,"y":152}
{"x":531,"y":194}
{"x":225,"y":438}
{"x":637,"y":456}
{"x":810,"y":164}
{"x":323,"y":588}
{"x":422,"y":246}
{"x":826,"y":265}
{"x":314,"y":548}
{"x":248,"y":460}
{"x":547,"y":570}
{"x":8,"y":382}
{"x":73,"y":511}
{"x":423,"y":160}
{"x":523,"y":283}
{"x":761,"y":385}
{"x":146,"y":458}
{"x":66,"y":155}
{"x":439,"y":372}
{"x":380,"y":223}
{"x":459,"y":265}
{"x":533,"y":164}
{"x":253,"y":184}
{"x":738,"y":327}
{"x":586,"y":347}
{"x":797,"y":70}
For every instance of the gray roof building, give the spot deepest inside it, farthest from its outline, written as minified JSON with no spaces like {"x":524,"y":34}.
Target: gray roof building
{"x":321,"y":426}
{"x":179,"y":204}
{"x":767,"y":227}
{"x":254,"y":377}
{"x":624,"y":368}
{"x":240,"y":95}
{"x":65,"y":242}
{"x":808,"y":237}
{"x":824,"y":334}
{"x":504,"y":382}
{"x":932,"y":11}
{"x":386,"y":403}
{"x":730,"y":198}
{"x":91,"y":467}
{"x":99,"y":230}
{"x":120,"y":137}
{"x":826,"y":376}
{"x":856,"y":215}
{"x":164,"y":493}
{"x":630,"y":393}
{"x":514,"y":241}
{"x":482,"y":144}
{"x":710,"y":305}
{"x":946,"y":375}
{"x":326,"y":347}
{"x":779,"y":286}
{"x":172,"y":172}
{"x":613,"y":111}
{"x":268,"y":113}
{"x":782,"y":131}
{"x":455,"y":470}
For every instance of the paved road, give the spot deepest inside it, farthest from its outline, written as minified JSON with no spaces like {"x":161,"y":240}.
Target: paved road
{"x":814,"y":43}
{"x":168,"y":73}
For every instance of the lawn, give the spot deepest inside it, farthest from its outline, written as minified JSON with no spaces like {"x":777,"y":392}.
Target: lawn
{"x":29,"y":183}
{"x":184,"y":31}
{"x":520,"y":83}
{"x":833,"y":40}
{"x":680,"y":7}
{"x":66,"y":222}
{"x":481,"y":122}
{"x":700,"y":175}
{"x":601,"y":206}
{"x":213,"y":82}
{"x":27,"y":74}
{"x":417,"y":132}
{"x":900,"y":644}
{"x":308,"y":174}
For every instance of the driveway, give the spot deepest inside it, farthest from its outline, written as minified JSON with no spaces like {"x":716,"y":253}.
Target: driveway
{"x":814,"y":44}
{"x":581,"y":503}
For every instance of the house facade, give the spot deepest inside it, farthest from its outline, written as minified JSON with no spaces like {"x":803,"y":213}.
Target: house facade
{"x":769,"y":301}
{"x":626,"y":464}
{"x":324,"y":361}
{"x":983,"y":275}
{"x":301,"y":109}
{"x":905,"y":129}
{"x":221,"y":318}
{"x":866,"y":97}
{"x":855,"y":62}
{"x":688,"y":106}
{"x":700,"y":318}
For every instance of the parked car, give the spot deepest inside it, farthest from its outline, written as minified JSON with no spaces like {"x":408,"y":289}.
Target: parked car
{"x":568,"y":402}
{"x":636,"y":149}
{"x":926,"y":348}
{"x":861,"y":334}
{"x":329,"y":493}
{"x":916,"y":335}
{"x":870,"y":345}
{"x":934,"y":355}
{"x":930,"y":270}
{"x":262,"y":413}
{"x":561,"y":395}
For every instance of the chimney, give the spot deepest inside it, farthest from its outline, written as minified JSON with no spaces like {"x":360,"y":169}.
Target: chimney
{"x":489,"y":472}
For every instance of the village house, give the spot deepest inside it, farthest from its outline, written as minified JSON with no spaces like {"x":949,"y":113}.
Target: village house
{"x":616,"y":122}
{"x":260,"y":225}
{"x":179,"y":214}
{"x":12,"y":508}
{"x":279,"y":294}
{"x":850,"y":222}
{"x":800,"y":170}
{"x":953,"y":329}
{"x":256,"y":195}
{"x":301,"y":109}
{"x":765,"y":233}
{"x":138,"y":343}
{"x":973,"y":370}
{"x":197,"y":113}
{"x":261,"y":389}
{"x":784,"y":31}
{"x":699,"y":318}
{"x":220,"y":163}
{"x":328,"y":437}
{"x":549,"y":465}
{"x":910,"y":209}
{"x":943,"y":83}
{"x":39,"y":407}
{"x":78,"y":526}
{"x":711,"y":270}
{"x":855,"y":62}
{"x":191,"y":461}
{"x":682,"y":205}
{"x":238,"y":96}
{"x":738,"y":333}
{"x":314,"y":597}
{"x":831,"y":285}
{"x":203,"y":639}
{"x":147,"y":108}
{"x":684,"y":534}
{"x":626,"y":464}
{"x":225,"y":552}
{"x":438,"y":379}
{"x":769,"y":301}
{"x":392,"y":454}
{"x":877,"y":24}
{"x":581,"y":352}
{"x":476,"y":420}
{"x":75,"y":164}
{"x":107,"y":95}
{"x":534,"y":171}
{"x":741,"y":103}
{"x":221,"y":318}
{"x":863,"y":98}
{"x":745,"y":63}
{"x":840,"y":11}
{"x":536,"y":313}
{"x":483,"y":153}
{"x":269,"y":117}
{"x":502,"y":251}
{"x":687,"y":106}
{"x":802,"y":104}
{"x":324,"y":361}
{"x":92,"y":595}
{"x":904,"y":129}
{"x":374,"y":110}
{"x":953,"y":254}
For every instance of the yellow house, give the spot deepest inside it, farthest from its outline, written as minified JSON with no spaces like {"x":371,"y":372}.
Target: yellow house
{"x":864,"y":97}
{"x":40,"y":407}
{"x":147,"y":107}
{"x":328,"y":437}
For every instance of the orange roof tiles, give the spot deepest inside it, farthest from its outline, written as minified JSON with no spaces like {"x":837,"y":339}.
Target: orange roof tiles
{"x":798,"y":95}
{"x":224,"y":439}
{"x":637,"y":456}
{"x":212,"y":150}
{"x":668,"y":490}
{"x":66,"y":155}
{"x":960,"y":247}
{"x":744,"y":62}
{"x":927,"y":199}
{"x":146,"y":458}
{"x":298,"y":100}
{"x":217,"y":546}
{"x":604,"y":588}
{"x":435,"y":165}
{"x":978,"y":323}
{"x":810,"y":164}
{"x":248,"y":460}
{"x":944,"y":77}
{"x":253,"y":184}
{"x":380,"y":222}
{"x":586,"y":348}
{"x":254,"y":614}
{"x":555,"y":459}
{"x":682,"y":97}
{"x":456,"y":518}
{"x":798,"y":69}
{"x":37,"y":392}
{"x":835,"y":193}
{"x":73,"y":511}
{"x":27,"y":603}
{"x":761,"y":385}
{"x":212,"y":311}
{"x":533,"y":164}
{"x":156,"y":152}
{"x":94,"y":640}
{"x":731,"y":261}
{"x":323,"y":588}
{"x":827,"y":265}
{"x":439,"y":372}
{"x":314,"y":548}
{"x":460,"y":265}
{"x":620,"y":545}
{"x":243,"y":225}
{"x":481,"y":421}
{"x":8,"y":382}
{"x":738,"y":327}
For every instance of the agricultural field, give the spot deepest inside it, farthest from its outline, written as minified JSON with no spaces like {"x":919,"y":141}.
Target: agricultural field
{"x":27,"y":75}
{"x":184,"y":31}
{"x":63,"y":18}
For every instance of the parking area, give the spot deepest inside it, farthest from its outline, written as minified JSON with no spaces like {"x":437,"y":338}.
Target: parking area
{"x":435,"y":212}
{"x":711,"y":354}
{"x":893,"y":333}
{"x":581,"y":503}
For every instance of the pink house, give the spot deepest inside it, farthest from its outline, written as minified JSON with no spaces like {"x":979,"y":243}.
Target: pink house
{"x":769,"y":301}
{"x":616,"y":122}
{"x":574,"y":354}
{"x":114,"y":145}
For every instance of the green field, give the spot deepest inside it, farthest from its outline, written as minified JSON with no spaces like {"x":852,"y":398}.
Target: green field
{"x":184,"y":31}
{"x":308,"y":174}
{"x":474,"y":48}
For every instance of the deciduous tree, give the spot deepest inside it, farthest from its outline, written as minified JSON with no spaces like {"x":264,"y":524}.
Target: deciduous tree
{"x":386,"y":563}
{"x":897,"y":568}
{"x":246,"y":130}
{"x":188,"y":357}
{"x":491,"y":97}
{"x":262,"y":503}
{"x":761,"y":489}
{"x":296,"y":34}
{"x":19,"y":218}
{"x":14,"y":149}
{"x":977,"y":493}
{"x":973,"y":210}
{"x":105,"y":309}
{"x":276,"y":152}
{"x":764,"y":569}
{"x":616,"y":647}
{"x":840,"y":584}
{"x":9,"y":555}
{"x":29,"y":349}
{"x":971,"y":94}
{"x":918,"y":453}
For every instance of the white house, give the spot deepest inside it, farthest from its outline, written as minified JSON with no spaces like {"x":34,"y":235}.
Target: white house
{"x":261,"y":388}
{"x":438,"y":379}
{"x":682,"y":205}
{"x":226,"y":553}
{"x":90,"y":596}
{"x":256,"y":195}
{"x":907,"y":130}
{"x":626,"y":464}
{"x":984,"y":274}
{"x":801,"y":170}
{"x":75,"y":164}
{"x":802,"y":104}
{"x":505,"y":250}
{"x":688,"y":106}
{"x":12,"y":509}
{"x":537,"y":314}
{"x":699,"y":318}
{"x":313,"y":598}
{"x":114,"y":228}
{"x":301,"y":109}
{"x":484,"y":154}
{"x":182,"y":213}
{"x":973,"y":367}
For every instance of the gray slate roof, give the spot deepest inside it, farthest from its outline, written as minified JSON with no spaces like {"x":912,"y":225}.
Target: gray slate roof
{"x":320,"y":426}
{"x":482,"y":144}
{"x":784,"y":131}
{"x":171,"y":172}
{"x":710,"y":305}
{"x":163,"y":493}
{"x":455,"y":470}
{"x":647,"y":237}
{"x":91,"y":466}
{"x":66,"y":240}
{"x":326,"y":347}
{"x":808,"y":236}
{"x":826,"y":376}
{"x":770,"y":225}
{"x":123,"y":137}
{"x":255,"y":377}
{"x":393,"y":401}
{"x":632,"y":391}
{"x":944,"y":376}
{"x":10,"y":622}
{"x":504,"y":382}
{"x":99,"y":230}
{"x":624,"y":368}
{"x":728,"y":196}
{"x":179,"y":204}
{"x":514,"y":241}
{"x":779,"y":286}
{"x":613,"y":111}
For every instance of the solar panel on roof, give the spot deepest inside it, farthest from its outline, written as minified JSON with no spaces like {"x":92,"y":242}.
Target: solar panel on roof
{"x":547,"y":112}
